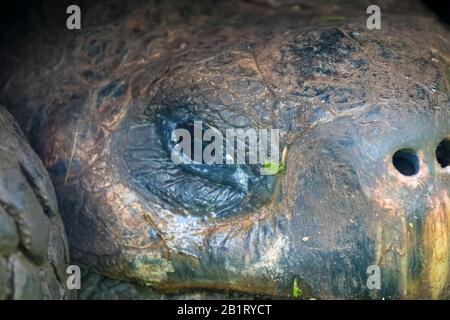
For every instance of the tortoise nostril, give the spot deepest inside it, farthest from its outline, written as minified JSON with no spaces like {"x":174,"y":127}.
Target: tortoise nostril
{"x":443,"y":153}
{"x":406,"y":162}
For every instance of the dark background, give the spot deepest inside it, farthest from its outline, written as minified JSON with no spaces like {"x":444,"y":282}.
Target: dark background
{"x":441,"y":8}
{"x":16,"y":10}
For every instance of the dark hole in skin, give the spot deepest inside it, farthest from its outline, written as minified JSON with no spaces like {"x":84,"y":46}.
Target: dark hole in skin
{"x":406,"y":162}
{"x":443,"y":153}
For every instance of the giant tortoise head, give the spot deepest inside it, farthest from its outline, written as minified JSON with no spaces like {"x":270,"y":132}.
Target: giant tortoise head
{"x":364,"y":120}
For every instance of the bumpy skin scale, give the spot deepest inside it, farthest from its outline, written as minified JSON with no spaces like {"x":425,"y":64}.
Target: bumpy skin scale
{"x":33,"y":245}
{"x":347,"y":98}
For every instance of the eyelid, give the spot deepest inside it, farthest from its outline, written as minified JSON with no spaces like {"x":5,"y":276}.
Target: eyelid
{"x":225,"y":189}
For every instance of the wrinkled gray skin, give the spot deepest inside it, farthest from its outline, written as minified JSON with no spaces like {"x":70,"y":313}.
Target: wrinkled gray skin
{"x":95,"y":105}
{"x":33,"y":244}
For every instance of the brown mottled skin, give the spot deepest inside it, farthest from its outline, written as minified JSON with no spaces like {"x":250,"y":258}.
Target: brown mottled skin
{"x":94,"y":103}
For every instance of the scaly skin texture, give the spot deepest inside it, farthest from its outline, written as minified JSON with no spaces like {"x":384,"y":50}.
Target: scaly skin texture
{"x":33,"y":244}
{"x":94,"y":104}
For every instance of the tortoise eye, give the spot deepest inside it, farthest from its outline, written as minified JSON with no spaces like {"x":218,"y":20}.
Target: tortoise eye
{"x":242,"y":177}
{"x":194,"y":187}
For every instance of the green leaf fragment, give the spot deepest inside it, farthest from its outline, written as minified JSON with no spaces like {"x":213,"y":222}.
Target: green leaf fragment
{"x":273,"y":168}
{"x":333,"y":18}
{"x":296,"y":290}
